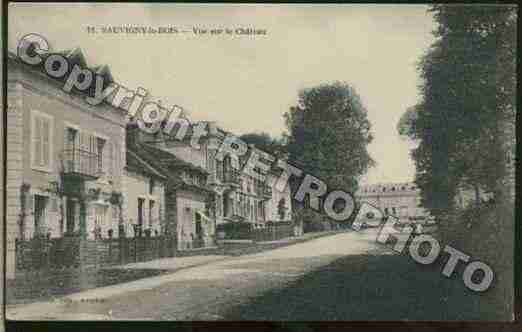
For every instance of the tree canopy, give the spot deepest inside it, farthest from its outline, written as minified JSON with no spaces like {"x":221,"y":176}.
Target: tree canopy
{"x":468,"y":97}
{"x":328,"y":133}
{"x":265,"y":142}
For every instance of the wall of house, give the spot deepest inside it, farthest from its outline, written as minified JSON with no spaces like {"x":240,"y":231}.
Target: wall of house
{"x":14,"y":164}
{"x":137,"y":186}
{"x":187,"y":204}
{"x":273,"y":202}
{"x":29,"y":92}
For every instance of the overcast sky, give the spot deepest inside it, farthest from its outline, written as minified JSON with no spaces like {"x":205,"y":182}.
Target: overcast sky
{"x":246,"y":83}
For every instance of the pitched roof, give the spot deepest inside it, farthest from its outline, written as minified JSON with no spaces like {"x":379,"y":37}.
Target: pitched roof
{"x":138,"y":165}
{"x":166,"y":160}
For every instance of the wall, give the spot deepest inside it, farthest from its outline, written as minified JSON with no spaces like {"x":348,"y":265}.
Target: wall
{"x":34,"y":91}
{"x":272,"y":210}
{"x":187,"y":204}
{"x":137,"y":186}
{"x":14,"y":164}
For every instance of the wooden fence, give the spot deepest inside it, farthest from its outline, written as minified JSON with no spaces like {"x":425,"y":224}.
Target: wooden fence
{"x":42,"y":253}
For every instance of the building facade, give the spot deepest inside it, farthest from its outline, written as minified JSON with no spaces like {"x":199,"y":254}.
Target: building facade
{"x":145,"y":196}
{"x":188,"y":214}
{"x":401,"y":200}
{"x":65,"y":159}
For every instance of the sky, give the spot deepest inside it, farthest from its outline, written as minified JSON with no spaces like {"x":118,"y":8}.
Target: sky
{"x":247,"y":82}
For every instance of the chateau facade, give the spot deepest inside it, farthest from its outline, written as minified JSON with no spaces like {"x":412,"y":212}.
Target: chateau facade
{"x":401,"y":200}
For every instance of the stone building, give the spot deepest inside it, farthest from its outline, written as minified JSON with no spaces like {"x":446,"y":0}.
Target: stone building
{"x":401,"y":200}
{"x":65,"y":157}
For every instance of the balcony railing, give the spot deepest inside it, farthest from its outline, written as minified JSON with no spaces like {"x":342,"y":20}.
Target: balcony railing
{"x":82,"y":164}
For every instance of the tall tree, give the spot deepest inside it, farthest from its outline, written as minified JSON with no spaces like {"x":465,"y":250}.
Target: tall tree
{"x":328,"y":134}
{"x":468,"y":99}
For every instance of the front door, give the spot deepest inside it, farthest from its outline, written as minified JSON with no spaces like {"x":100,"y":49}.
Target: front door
{"x":70,"y":216}
{"x":199,"y":231}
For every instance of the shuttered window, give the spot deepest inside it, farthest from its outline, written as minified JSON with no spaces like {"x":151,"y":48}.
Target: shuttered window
{"x":41,"y":141}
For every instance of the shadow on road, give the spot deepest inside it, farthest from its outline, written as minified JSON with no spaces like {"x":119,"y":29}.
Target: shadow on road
{"x":365,"y":287}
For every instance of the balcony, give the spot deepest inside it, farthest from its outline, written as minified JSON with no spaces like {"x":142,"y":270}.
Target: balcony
{"x":231,"y":177}
{"x":81,"y":164}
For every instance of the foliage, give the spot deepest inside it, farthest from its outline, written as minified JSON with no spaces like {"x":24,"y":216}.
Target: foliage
{"x":328,"y":134}
{"x":265,"y":142}
{"x":468,"y":95}
{"x":406,"y":124}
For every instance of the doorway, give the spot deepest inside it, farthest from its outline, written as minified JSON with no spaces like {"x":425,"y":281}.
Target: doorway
{"x":70,"y":216}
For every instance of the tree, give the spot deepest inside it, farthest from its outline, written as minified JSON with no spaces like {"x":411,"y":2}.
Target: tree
{"x":328,"y":133}
{"x":468,"y":97}
{"x":265,"y":142}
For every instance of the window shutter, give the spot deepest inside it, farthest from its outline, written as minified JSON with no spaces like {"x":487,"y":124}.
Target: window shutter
{"x":37,"y":141}
{"x":46,"y":134}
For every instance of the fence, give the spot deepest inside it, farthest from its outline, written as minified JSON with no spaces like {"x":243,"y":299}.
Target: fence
{"x":42,"y":253}
{"x":244,"y":231}
{"x":272,"y":233}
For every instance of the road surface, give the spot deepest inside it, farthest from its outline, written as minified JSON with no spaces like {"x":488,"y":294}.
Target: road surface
{"x":347,"y":276}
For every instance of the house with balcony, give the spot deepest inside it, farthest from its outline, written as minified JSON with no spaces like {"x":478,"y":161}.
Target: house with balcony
{"x":65,"y":158}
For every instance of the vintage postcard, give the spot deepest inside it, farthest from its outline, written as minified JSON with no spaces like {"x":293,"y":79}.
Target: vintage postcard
{"x":259,"y":162}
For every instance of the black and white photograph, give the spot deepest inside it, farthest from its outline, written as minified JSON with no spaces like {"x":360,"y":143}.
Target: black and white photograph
{"x":259,"y":162}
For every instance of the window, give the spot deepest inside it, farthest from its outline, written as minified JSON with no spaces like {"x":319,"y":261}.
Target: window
{"x":151,"y":186}
{"x":151,"y":211}
{"x":40,"y":213}
{"x":71,"y":142}
{"x":100,"y":145}
{"x":140,"y":211}
{"x":100,"y":214}
{"x":394,"y":210}
{"x":41,"y":141}
{"x":261,"y":210}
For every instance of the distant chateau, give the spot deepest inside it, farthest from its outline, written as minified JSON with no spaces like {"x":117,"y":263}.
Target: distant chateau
{"x":401,"y":200}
